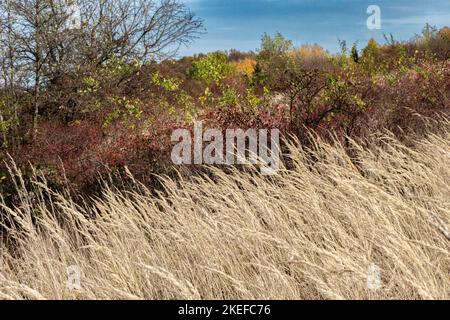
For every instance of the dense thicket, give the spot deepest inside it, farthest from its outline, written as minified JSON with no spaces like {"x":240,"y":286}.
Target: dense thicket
{"x":113,"y":102}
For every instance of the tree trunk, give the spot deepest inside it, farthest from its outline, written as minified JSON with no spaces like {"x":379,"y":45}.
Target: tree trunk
{"x":36,"y":108}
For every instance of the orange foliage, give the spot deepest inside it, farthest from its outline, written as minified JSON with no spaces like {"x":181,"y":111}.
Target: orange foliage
{"x":310,"y":56}
{"x":308,"y":52}
{"x":245,"y":66}
{"x":444,"y":34}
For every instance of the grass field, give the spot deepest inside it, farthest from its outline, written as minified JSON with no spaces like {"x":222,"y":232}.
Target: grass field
{"x":310,"y":232}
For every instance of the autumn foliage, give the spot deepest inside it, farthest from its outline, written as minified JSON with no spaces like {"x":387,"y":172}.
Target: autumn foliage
{"x":121,"y":116}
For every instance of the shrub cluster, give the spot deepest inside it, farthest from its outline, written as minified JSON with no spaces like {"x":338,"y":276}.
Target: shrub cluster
{"x":121,"y":114}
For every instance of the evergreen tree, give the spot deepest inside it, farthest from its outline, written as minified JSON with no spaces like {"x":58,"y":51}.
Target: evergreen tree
{"x":354,"y":53}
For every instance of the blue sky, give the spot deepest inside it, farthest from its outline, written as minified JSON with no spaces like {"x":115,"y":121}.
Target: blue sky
{"x":240,"y":24}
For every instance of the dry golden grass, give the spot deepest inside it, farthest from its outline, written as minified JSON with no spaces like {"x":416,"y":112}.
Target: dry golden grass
{"x":311,"y":232}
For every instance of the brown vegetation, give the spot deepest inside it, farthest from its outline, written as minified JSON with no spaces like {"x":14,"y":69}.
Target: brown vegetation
{"x":310,"y":232}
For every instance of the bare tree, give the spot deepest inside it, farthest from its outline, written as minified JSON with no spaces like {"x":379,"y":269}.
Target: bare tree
{"x":139,"y":29}
{"x":46,"y":43}
{"x":9,"y":73}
